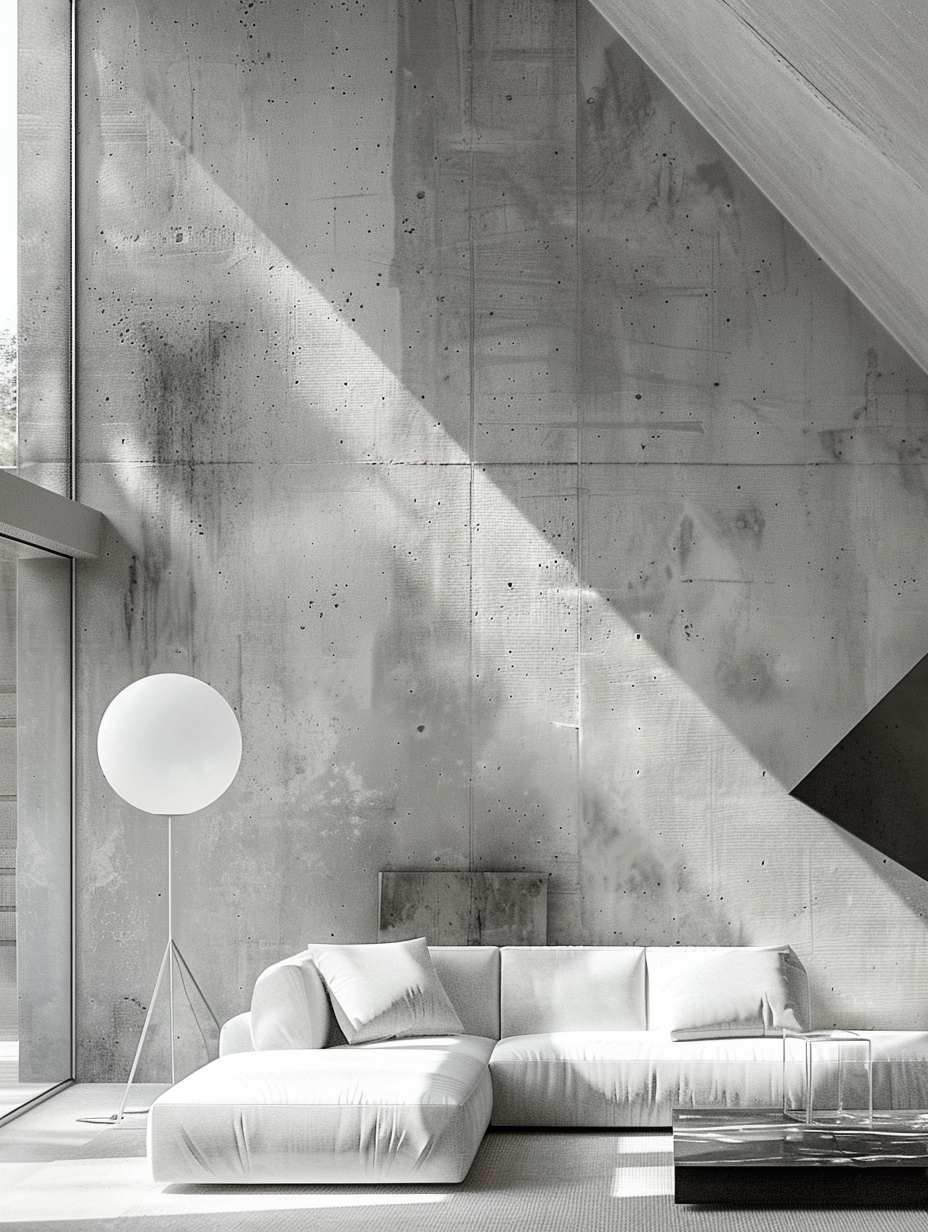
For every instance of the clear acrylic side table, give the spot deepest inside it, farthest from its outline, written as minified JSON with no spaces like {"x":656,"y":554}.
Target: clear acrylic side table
{"x":839,"y":1040}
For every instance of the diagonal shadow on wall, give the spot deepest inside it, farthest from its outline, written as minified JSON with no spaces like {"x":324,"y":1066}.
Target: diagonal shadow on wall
{"x":874,"y":783}
{"x":585,"y":280}
{"x":586,"y":285}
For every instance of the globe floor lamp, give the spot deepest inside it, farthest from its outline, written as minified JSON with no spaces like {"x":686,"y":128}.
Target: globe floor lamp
{"x":168,"y":744}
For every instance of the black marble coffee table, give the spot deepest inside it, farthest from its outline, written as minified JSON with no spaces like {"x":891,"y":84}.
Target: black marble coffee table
{"x":759,"y":1157}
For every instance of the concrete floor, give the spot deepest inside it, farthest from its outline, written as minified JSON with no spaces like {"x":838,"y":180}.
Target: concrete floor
{"x":13,"y":1093}
{"x":55,"y":1166}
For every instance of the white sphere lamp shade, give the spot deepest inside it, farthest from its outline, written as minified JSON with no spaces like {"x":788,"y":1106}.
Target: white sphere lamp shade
{"x":169,"y":744}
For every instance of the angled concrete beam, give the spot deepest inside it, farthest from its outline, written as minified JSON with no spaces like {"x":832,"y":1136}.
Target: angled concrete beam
{"x":850,"y":180}
{"x":34,"y":515}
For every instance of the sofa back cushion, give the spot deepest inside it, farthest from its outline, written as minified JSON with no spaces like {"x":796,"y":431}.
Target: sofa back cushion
{"x":289,"y":1006}
{"x":572,"y":988}
{"x":470,"y":975}
{"x":705,"y":992}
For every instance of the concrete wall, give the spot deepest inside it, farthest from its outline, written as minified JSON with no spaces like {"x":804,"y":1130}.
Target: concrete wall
{"x":536,"y":496}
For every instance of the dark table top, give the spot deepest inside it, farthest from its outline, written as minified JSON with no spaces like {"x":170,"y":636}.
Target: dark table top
{"x":760,"y":1137}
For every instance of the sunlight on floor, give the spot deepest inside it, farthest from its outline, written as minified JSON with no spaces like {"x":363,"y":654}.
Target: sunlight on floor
{"x":652,"y":1175}
{"x":112,"y":1188}
{"x":645,"y":1144}
{"x":643,"y":1182}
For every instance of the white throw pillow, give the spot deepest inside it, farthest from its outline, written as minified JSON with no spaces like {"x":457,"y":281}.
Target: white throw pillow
{"x":386,"y":991}
{"x":289,"y":1006}
{"x":697,"y":993}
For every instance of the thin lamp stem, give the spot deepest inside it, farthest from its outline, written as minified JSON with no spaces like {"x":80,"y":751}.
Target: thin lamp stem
{"x":171,"y":943}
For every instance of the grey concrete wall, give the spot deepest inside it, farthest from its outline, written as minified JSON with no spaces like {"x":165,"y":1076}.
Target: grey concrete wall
{"x":535,"y":495}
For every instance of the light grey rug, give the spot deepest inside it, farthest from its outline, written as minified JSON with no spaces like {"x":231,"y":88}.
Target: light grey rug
{"x":521,"y":1182}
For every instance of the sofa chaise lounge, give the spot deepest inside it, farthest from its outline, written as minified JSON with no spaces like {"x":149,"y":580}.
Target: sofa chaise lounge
{"x":387,"y":1063}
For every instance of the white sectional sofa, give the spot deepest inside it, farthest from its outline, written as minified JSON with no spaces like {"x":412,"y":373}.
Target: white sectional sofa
{"x":387,"y":1063}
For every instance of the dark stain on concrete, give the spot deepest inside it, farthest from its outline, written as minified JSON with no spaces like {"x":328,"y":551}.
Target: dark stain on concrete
{"x":140,"y":599}
{"x":180,"y":392}
{"x":876,"y":445}
{"x":746,"y":677}
{"x":870,"y":381}
{"x":685,"y":540}
{"x":835,"y":442}
{"x":714,"y":175}
{"x":130,"y":599}
{"x":636,"y":892}
{"x":626,"y":107}
{"x":626,"y":863}
{"x":748,"y":523}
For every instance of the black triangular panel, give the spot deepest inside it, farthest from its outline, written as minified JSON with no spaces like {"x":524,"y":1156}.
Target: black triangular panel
{"x":875,"y":782}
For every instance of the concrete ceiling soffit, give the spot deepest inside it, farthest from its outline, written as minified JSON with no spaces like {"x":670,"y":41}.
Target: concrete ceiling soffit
{"x":839,"y":157}
{"x":35,"y":516}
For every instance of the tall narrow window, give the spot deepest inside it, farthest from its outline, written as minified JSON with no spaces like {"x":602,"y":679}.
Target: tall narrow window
{"x":35,"y":553}
{"x":8,"y":232}
{"x":11,"y":1094}
{"x":35,"y":889}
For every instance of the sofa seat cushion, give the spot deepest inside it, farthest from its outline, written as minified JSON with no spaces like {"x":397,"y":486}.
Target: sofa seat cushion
{"x":635,"y":1078}
{"x":411,"y":1110}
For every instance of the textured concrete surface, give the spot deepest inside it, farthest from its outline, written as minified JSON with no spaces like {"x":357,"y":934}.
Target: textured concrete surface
{"x":464,"y":908}
{"x":536,"y":496}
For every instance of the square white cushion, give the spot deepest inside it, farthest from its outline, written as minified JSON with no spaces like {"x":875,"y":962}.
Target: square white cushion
{"x":386,"y":991}
{"x":699,"y":992}
{"x":289,"y":1006}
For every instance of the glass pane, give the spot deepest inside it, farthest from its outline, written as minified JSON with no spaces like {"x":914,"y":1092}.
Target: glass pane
{"x":35,"y":843}
{"x":9,"y":1029}
{"x":8,"y":232}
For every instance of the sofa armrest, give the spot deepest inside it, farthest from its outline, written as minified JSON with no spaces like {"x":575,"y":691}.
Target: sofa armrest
{"x":235,"y":1035}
